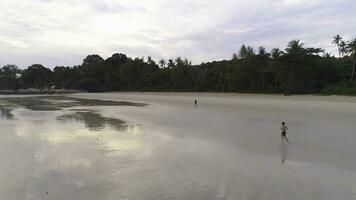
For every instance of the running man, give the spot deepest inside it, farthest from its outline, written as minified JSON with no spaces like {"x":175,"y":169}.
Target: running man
{"x":284,"y":129}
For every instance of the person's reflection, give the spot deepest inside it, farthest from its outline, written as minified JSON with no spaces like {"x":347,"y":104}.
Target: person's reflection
{"x":284,"y":152}
{"x":5,"y":113}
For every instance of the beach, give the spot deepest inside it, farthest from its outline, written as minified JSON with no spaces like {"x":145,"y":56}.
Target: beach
{"x":162,"y":146}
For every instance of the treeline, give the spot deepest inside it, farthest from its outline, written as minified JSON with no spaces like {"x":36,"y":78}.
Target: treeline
{"x":297,"y":70}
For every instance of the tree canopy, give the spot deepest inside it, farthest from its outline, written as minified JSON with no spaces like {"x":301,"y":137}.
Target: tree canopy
{"x":298,"y":69}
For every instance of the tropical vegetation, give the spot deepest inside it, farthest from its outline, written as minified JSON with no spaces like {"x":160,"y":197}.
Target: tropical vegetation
{"x":295,"y":70}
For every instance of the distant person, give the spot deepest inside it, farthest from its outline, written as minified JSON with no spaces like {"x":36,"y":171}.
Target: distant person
{"x":195,"y":102}
{"x":284,"y":129}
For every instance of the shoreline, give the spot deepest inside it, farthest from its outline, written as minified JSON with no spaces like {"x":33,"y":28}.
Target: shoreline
{"x":297,"y":97}
{"x":38,"y":91}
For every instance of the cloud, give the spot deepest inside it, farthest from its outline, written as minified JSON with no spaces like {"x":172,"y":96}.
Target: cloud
{"x":62,"y":32}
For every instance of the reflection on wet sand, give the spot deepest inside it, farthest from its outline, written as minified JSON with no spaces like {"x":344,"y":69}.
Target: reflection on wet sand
{"x":6,"y":112}
{"x":94,"y":121}
{"x":46,"y":103}
{"x":175,"y":153}
{"x":284,"y":151}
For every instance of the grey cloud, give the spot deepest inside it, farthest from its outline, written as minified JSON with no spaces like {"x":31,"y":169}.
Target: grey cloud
{"x":315,"y":25}
{"x":172,"y":31}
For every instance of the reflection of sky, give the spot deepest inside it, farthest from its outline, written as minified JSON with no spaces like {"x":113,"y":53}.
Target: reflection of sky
{"x":70,"y":155}
{"x":66,"y":128}
{"x":93,"y":121}
{"x":72,"y":161}
{"x":87,"y":129}
{"x":75,"y":135}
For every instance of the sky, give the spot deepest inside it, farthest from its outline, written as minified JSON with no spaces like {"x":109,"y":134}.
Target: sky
{"x":64,"y":32}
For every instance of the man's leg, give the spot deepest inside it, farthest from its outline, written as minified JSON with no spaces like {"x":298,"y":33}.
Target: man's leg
{"x":285,"y":137}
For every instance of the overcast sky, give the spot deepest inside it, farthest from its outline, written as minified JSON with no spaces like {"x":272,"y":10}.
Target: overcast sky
{"x":63,"y":32}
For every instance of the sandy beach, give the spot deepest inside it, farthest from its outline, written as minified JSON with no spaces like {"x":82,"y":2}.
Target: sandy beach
{"x":162,"y":146}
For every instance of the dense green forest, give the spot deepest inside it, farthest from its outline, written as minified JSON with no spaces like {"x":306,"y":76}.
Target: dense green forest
{"x":295,"y":70}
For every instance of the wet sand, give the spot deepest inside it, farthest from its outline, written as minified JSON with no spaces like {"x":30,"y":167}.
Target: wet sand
{"x":164,"y":147}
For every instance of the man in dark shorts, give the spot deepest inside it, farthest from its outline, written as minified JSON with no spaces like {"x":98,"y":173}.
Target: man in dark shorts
{"x":284,"y":129}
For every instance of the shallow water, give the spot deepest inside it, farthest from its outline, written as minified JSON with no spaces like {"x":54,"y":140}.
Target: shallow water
{"x":163,"y":147}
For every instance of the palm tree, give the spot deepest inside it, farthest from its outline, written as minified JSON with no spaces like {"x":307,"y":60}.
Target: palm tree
{"x":170,"y":63}
{"x":276,"y":53}
{"x":235,"y":57}
{"x":337,"y":41}
{"x":351,"y":46}
{"x":264,"y":58}
{"x":250,"y":51}
{"x":162,"y":63}
{"x":294,"y":46}
{"x":343,"y":48}
{"x":243,"y":51}
{"x":262,"y":51}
